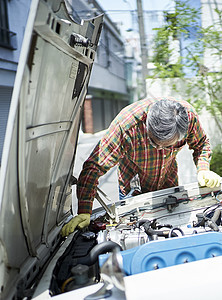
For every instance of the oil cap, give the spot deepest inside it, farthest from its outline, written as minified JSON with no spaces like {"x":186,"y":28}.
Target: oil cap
{"x":88,"y":235}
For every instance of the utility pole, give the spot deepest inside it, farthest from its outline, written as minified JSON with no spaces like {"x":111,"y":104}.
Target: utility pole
{"x":143,"y":46}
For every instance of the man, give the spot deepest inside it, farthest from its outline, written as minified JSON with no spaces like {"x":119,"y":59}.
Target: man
{"x":144,"y":139}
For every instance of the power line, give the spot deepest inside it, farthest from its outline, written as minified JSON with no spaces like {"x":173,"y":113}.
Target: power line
{"x":126,"y":11}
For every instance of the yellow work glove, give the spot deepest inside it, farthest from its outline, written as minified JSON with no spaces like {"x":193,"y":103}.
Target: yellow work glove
{"x":80,"y":221}
{"x":208,"y":178}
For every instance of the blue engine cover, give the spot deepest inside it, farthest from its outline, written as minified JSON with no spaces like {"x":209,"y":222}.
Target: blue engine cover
{"x":169,"y":252}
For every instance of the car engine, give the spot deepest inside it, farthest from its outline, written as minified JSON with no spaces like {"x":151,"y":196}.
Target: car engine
{"x":148,"y":237}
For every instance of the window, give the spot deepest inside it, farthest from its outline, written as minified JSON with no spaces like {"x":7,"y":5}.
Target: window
{"x":6,"y":36}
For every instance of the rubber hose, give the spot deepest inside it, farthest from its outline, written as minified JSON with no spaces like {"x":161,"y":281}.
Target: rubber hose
{"x":102,"y":249}
{"x":150,"y":231}
{"x":173,"y":229}
{"x":216,"y":215}
{"x":141,"y":222}
{"x":212,"y":225}
{"x":163,"y":233}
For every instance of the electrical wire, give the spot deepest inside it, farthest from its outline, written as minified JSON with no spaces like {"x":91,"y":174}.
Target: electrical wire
{"x":65,"y":284}
{"x":216,"y":196}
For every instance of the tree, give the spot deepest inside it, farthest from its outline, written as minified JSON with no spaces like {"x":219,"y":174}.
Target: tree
{"x":203,"y":83}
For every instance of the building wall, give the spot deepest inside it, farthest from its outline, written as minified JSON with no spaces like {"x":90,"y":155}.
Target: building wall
{"x":105,"y":106}
{"x":108,"y":91}
{"x":108,"y":74}
{"x":187,"y":42}
{"x":209,"y":17}
{"x":17,"y":14}
{"x":17,"y":17}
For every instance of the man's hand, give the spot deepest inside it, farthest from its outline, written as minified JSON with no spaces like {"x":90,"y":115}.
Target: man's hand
{"x":80,"y":221}
{"x":209,"y":179}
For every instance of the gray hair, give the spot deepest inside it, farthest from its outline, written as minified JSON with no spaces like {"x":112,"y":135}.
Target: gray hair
{"x":166,"y":119}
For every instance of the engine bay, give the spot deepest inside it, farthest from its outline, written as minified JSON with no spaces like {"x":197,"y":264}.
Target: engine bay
{"x":149,"y":233}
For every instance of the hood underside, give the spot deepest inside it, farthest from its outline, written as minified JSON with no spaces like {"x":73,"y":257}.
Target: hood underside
{"x":39,"y":149}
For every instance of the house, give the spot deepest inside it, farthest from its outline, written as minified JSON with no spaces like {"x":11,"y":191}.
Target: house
{"x":108,"y":90}
{"x":13,"y":17}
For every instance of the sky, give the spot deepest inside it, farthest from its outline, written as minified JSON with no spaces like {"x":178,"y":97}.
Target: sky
{"x":123,"y":11}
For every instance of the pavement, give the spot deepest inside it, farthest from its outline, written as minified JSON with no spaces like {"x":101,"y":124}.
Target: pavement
{"x":109,"y":182}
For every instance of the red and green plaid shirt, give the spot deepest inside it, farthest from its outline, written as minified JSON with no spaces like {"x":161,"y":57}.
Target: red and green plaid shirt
{"x":126,"y":145}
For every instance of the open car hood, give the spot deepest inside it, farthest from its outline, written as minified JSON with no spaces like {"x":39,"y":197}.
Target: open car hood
{"x":39,"y":149}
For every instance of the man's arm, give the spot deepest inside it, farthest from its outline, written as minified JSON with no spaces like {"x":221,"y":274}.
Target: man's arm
{"x":198,"y":141}
{"x":105,"y":155}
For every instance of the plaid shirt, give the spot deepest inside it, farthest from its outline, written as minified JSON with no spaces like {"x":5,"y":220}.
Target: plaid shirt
{"x":126,"y":145}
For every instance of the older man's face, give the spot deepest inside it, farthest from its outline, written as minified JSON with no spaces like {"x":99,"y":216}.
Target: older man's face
{"x":158,"y":144}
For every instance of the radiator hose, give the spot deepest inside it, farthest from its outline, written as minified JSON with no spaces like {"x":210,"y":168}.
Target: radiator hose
{"x":102,"y":248}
